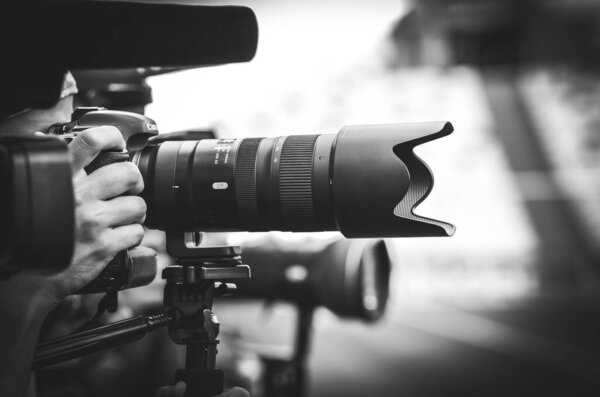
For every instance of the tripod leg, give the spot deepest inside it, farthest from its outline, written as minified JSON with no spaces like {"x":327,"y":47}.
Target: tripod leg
{"x":201,"y":382}
{"x":200,"y":375}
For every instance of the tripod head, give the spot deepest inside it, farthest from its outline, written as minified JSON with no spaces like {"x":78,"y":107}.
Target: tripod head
{"x":200,"y":275}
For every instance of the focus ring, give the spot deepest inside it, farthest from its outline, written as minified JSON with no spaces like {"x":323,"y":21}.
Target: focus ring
{"x":245,"y":183}
{"x":295,"y":183}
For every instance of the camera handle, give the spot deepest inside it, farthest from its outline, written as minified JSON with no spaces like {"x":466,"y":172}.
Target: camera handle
{"x":200,"y":275}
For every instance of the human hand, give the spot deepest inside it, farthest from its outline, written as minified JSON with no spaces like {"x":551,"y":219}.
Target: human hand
{"x":179,"y":390}
{"x":108,"y":213}
{"x":108,"y":220}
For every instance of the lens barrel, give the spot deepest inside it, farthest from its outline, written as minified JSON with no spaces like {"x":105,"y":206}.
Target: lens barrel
{"x":364,"y":181}
{"x":254,"y":184}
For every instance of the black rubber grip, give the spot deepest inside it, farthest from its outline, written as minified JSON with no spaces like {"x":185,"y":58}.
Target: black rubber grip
{"x":113,"y":277}
{"x":135,"y":267}
{"x":295,"y":182}
{"x":106,"y":158}
{"x":245,"y":182}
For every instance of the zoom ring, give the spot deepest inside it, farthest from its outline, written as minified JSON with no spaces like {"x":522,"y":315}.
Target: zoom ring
{"x":245,"y":183}
{"x":295,"y":183}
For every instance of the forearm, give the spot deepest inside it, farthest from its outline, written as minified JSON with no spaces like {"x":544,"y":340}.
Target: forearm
{"x":22,"y":312}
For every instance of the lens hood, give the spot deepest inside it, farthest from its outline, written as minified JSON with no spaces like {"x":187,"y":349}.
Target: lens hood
{"x":378,"y":180}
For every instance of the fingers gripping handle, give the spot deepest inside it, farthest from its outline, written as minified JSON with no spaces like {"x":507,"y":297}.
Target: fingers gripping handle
{"x":105,"y":158}
{"x":128,"y":269}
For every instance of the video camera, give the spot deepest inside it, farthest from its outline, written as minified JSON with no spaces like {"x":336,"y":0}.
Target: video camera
{"x":300,"y":183}
{"x":293,"y":183}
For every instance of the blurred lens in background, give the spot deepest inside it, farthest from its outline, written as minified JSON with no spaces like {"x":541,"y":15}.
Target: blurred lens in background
{"x":348,"y":277}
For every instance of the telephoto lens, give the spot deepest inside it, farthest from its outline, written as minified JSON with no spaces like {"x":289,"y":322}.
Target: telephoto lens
{"x":364,"y":181}
{"x":349,"y":277}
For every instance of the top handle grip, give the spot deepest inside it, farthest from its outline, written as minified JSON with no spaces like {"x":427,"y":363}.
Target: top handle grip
{"x":105,"y":158}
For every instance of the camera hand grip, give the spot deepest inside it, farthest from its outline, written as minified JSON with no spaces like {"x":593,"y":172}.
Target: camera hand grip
{"x":132,"y":268}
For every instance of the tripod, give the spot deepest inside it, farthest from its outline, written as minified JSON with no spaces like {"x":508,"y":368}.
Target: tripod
{"x":199,"y":275}
{"x":193,"y":283}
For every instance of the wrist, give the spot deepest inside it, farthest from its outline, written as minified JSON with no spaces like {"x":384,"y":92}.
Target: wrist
{"x":28,"y":297}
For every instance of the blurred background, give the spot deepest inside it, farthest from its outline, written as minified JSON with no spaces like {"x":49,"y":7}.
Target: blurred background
{"x":510,"y":305}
